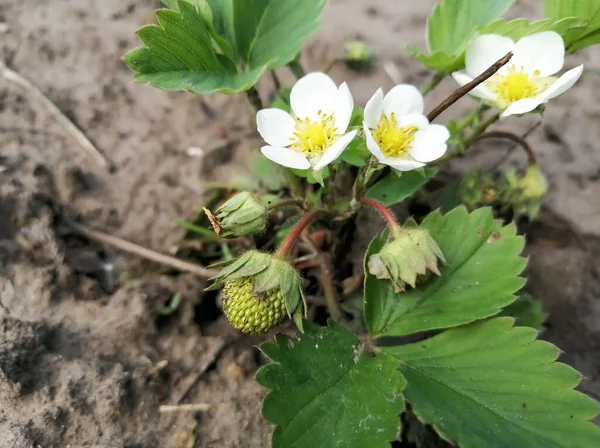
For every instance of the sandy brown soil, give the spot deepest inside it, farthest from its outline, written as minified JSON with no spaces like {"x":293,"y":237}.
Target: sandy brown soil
{"x":78,"y":365}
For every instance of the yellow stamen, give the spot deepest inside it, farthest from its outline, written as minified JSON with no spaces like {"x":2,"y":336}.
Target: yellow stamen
{"x":516,"y":84}
{"x":314,"y":137}
{"x":393,"y":141}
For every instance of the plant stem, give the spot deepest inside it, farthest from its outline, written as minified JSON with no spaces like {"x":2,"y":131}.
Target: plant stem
{"x":385,"y":212}
{"x":254,"y":98}
{"x":289,"y":240}
{"x":301,"y":203}
{"x":480,"y":129}
{"x":326,"y":280}
{"x":462,"y":91}
{"x":294,"y":182}
{"x":432,"y":83}
{"x":296,"y":68}
{"x":531,"y":158}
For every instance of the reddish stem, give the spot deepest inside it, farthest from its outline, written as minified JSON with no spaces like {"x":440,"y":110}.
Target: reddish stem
{"x":384,"y":211}
{"x":289,"y":240}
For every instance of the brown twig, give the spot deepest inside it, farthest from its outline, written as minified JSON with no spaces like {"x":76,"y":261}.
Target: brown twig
{"x":531,"y":158}
{"x":196,"y":407}
{"x":141,"y":251}
{"x":462,"y":91}
{"x":74,"y":131}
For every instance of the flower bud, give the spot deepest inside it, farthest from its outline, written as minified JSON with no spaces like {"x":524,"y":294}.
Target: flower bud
{"x":525,"y":194}
{"x":259,"y":290}
{"x":358,"y":55}
{"x":239,"y":216}
{"x":409,"y":254}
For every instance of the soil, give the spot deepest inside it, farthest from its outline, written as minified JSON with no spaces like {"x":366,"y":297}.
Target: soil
{"x":86,"y":361}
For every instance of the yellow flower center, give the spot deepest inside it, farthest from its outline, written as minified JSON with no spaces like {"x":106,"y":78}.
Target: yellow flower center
{"x":313,"y":137}
{"x":393,"y":141}
{"x":515,"y":85}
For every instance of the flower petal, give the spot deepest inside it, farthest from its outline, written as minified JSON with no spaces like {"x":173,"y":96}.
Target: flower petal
{"x":344,"y":105}
{"x":402,"y":100}
{"x":562,"y":84}
{"x":484,"y":50}
{"x":404,"y":164}
{"x":313,"y":93}
{"x":521,"y":107}
{"x":374,"y":109}
{"x":481,"y":91}
{"x":275,"y":126}
{"x":286,"y":157}
{"x":429,"y":144}
{"x":334,"y":151}
{"x":544,"y":52}
{"x":372,"y":145}
{"x":414,"y":119}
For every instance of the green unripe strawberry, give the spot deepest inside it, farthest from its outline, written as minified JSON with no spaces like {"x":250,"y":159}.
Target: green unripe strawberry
{"x":250,"y":312}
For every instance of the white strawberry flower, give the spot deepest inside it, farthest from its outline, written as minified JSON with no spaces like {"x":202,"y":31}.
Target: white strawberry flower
{"x":314,"y":135}
{"x":526,"y":81}
{"x":398,"y":133}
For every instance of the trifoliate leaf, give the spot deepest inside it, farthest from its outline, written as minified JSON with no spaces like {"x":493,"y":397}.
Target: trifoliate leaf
{"x":393,"y":188}
{"x":479,"y":279}
{"x":586,"y":31}
{"x":490,"y":384}
{"x":516,"y":29}
{"x":271,"y":32}
{"x":326,"y":392}
{"x":451,"y":25}
{"x":527,"y":311}
{"x":179,"y":55}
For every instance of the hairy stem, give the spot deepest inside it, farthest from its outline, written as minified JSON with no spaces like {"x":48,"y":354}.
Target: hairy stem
{"x":432,"y":83}
{"x":385,"y":212}
{"x":296,"y":68}
{"x":480,"y":129}
{"x":326,"y":280}
{"x":462,"y":91}
{"x":289,"y":240}
{"x":300,"y":203}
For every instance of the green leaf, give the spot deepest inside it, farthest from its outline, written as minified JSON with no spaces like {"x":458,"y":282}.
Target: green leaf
{"x":356,"y":154}
{"x":393,"y":188}
{"x":527,"y":311}
{"x":451,"y":25}
{"x":582,"y":34}
{"x":378,"y":293}
{"x":516,"y":29}
{"x":490,"y":384}
{"x":326,"y":392}
{"x":479,"y":279}
{"x":271,"y":32}
{"x":179,"y":55}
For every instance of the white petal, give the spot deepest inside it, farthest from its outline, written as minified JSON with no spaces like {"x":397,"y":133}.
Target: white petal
{"x":275,"y":126}
{"x":484,"y":50}
{"x":414,"y":119}
{"x":481,"y":91}
{"x":429,"y":144}
{"x":334,"y":151}
{"x":521,"y":107}
{"x":372,"y":145}
{"x":344,"y":105}
{"x":374,"y":109}
{"x":402,"y":100}
{"x":313,"y":93}
{"x":562,"y":84}
{"x":286,"y":157}
{"x":541,"y":51}
{"x":404,"y":164}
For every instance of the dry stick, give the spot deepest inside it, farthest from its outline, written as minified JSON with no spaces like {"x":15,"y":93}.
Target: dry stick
{"x":141,"y":251}
{"x":462,"y":91}
{"x":75,"y":132}
{"x":184,"y":407}
{"x":514,"y":138}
